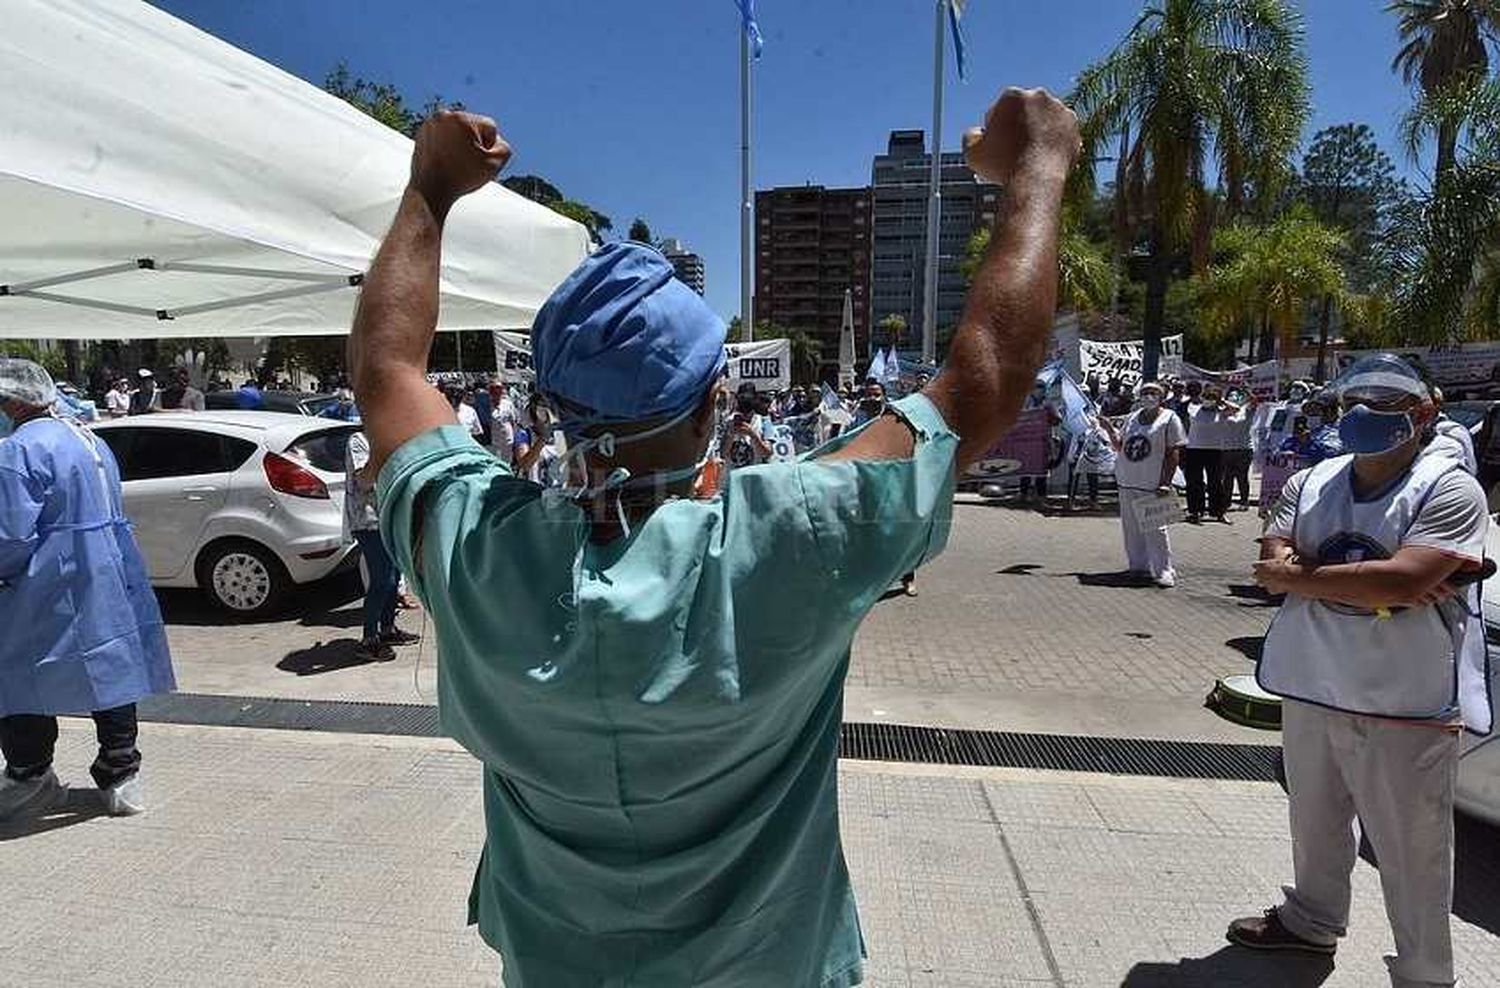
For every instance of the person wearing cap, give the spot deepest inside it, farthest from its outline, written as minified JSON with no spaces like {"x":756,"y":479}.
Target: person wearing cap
{"x":64,"y":538}
{"x":117,"y":399}
{"x":1148,"y":446}
{"x":657,"y":706}
{"x":1372,"y":655}
{"x":147,"y":396}
{"x":1445,"y":437}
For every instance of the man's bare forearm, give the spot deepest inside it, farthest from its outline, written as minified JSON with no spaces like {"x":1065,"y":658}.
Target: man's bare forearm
{"x":1002,"y":336}
{"x":398,"y":306}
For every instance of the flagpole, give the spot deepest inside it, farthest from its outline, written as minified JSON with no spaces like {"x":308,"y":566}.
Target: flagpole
{"x":747,"y":204}
{"x":935,"y":197}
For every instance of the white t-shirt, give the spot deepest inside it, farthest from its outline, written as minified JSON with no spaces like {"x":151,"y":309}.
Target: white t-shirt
{"x":1143,"y":446}
{"x":117,"y":402}
{"x":468,"y":418}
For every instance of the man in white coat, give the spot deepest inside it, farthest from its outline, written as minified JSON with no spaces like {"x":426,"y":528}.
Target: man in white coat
{"x":1149,"y":444}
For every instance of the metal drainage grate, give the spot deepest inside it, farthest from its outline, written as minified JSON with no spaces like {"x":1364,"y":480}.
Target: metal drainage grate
{"x":871,"y":742}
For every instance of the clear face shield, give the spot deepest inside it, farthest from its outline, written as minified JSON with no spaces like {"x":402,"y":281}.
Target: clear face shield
{"x":1381,"y":396}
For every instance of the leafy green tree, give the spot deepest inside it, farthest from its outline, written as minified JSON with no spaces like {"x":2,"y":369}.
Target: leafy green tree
{"x":1197,"y":91}
{"x":538,"y":189}
{"x":381,"y":100}
{"x":640,"y":232}
{"x":1444,"y":247}
{"x":891,"y":330}
{"x":1085,"y":279}
{"x":1442,"y":47}
{"x":1350,"y":184}
{"x":1270,"y":273}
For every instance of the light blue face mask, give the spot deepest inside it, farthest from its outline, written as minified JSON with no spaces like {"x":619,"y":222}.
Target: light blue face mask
{"x":1367,"y":432}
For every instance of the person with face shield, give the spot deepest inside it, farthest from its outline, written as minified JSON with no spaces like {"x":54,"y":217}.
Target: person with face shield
{"x":1148,"y":447}
{"x":81,"y":630}
{"x":1445,"y":437}
{"x":1372,"y":654}
{"x":658,"y":703}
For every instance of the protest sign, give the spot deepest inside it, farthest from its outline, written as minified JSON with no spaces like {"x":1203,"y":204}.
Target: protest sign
{"x":1263,"y":380}
{"x":1122,"y":361}
{"x":1471,"y":365}
{"x":1158,"y":512}
{"x":1021,"y":452}
{"x":766,"y":363}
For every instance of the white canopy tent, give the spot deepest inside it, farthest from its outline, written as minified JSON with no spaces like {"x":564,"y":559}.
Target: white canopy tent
{"x":158,"y":182}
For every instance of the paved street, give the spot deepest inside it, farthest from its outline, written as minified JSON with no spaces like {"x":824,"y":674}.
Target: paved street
{"x":277,"y":858}
{"x":274,"y":858}
{"x":1017,"y":627}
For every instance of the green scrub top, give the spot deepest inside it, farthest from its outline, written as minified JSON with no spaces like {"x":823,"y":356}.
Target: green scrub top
{"x":658,"y":717}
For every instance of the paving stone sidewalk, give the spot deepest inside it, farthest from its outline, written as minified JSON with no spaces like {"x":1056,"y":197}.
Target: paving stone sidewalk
{"x":273,"y":858}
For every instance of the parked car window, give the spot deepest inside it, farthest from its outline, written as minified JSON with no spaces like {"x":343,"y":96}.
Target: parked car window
{"x":324,"y":449}
{"x":147,"y":454}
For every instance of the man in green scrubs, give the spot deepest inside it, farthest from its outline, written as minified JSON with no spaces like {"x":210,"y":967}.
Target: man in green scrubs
{"x":652,"y":682}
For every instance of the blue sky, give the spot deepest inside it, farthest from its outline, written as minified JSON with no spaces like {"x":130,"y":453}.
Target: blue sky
{"x":633,"y":105}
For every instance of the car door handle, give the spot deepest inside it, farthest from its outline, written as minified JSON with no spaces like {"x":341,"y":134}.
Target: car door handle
{"x":196,"y":493}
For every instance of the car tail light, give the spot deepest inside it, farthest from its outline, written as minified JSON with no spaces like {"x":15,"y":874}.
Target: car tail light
{"x":290,"y":477}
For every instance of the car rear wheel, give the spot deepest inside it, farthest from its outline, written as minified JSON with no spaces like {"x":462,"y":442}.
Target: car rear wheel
{"x":243,"y":578}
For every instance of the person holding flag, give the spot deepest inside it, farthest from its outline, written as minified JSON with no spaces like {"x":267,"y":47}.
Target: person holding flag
{"x":658,"y":705}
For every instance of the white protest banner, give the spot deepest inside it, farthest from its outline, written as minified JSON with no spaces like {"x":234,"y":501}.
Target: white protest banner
{"x":783,"y":445}
{"x":513,"y":357}
{"x":1123,"y":360}
{"x":1455,"y":366}
{"x":1158,"y":512}
{"x":766,"y":364}
{"x":1262,"y":380}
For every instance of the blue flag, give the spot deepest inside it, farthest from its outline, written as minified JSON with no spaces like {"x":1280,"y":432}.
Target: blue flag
{"x":955,"y":18}
{"x":752,"y":28}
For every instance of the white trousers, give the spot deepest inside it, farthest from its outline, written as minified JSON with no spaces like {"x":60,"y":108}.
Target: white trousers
{"x":1146,"y":549}
{"x":1398,"y":778}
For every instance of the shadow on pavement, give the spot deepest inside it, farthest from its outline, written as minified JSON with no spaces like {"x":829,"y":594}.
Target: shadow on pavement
{"x":1232,"y":967}
{"x":1019,"y":569}
{"x":1255,"y":595}
{"x":1249,"y":646}
{"x":323,"y":657}
{"x":76,"y":806}
{"x":1123,"y":578}
{"x":185,"y":606}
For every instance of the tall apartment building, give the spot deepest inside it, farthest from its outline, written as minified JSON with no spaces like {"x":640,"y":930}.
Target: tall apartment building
{"x":689,"y":266}
{"x":899,"y":188}
{"x":811,"y":245}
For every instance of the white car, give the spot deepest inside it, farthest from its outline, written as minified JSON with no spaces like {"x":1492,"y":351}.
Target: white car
{"x":1479,"y":769}
{"x":243,"y":505}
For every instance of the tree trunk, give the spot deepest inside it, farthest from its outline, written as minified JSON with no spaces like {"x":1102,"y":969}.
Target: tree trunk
{"x":1267,"y":340}
{"x":70,"y":357}
{"x":1324,"y":318}
{"x":1447,"y":153}
{"x":1156,"y":309}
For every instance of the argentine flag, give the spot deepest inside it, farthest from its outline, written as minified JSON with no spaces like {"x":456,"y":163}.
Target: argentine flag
{"x":752,"y":28}
{"x":955,"y":18}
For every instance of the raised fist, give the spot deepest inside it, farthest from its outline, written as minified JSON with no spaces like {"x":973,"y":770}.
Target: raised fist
{"x":456,"y":153}
{"x":1022,"y":124}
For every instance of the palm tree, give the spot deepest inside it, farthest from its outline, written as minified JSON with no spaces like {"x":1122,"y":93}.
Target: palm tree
{"x":1198,"y":91}
{"x":1445,"y":247}
{"x":1270,"y":273}
{"x":1443,"y":45}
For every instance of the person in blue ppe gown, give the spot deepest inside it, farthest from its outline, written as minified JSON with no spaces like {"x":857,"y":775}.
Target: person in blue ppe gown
{"x":82,"y":632}
{"x":653,"y":682}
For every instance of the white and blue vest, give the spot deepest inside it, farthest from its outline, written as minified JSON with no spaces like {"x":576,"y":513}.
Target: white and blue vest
{"x":1420,"y":663}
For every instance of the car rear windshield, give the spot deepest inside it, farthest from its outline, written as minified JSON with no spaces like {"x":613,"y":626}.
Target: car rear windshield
{"x":324,"y":449}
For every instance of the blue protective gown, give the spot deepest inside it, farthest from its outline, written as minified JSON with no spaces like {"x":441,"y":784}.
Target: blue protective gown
{"x":79,"y":626}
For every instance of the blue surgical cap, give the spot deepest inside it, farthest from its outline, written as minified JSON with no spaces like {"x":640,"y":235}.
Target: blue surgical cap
{"x":623,"y":340}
